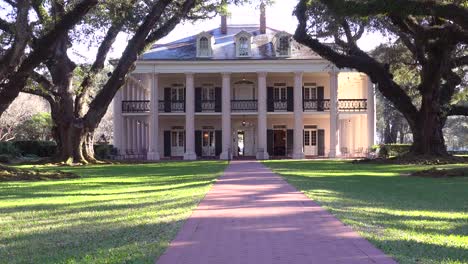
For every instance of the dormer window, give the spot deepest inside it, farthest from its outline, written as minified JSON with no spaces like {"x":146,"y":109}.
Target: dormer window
{"x":243,"y":47}
{"x":243,"y":40}
{"x":204,"y":47}
{"x":282,"y":44}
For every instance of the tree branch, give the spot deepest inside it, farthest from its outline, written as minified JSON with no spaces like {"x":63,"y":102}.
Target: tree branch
{"x":98,"y":64}
{"x":359,"y":61}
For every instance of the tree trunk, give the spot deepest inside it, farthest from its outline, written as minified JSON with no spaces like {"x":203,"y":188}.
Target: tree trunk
{"x":428,"y":137}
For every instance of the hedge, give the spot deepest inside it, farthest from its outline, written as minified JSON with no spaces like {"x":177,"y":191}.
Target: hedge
{"x":386,"y":150}
{"x":36,"y":147}
{"x":13,"y":149}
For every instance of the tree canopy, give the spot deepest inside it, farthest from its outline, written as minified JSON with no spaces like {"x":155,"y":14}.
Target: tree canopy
{"x":434,"y":37}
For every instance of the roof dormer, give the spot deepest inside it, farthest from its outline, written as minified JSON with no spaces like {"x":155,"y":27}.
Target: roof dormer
{"x":282,"y":44}
{"x":205,"y":45}
{"x":243,"y":44}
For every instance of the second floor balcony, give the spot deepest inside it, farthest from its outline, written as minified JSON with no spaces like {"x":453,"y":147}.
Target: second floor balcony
{"x":251,"y":105}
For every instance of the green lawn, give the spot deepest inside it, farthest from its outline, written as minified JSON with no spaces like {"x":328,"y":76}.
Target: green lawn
{"x":415,"y":220}
{"x":113,"y":214}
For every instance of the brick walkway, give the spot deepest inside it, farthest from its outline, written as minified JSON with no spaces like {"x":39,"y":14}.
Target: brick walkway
{"x":252,"y":216}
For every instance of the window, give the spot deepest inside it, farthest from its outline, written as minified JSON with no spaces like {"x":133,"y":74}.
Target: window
{"x":310,"y":93}
{"x":282,"y":44}
{"x":280,"y":93}
{"x":283,"y":48}
{"x":208,"y":93}
{"x":204,"y":45}
{"x":243,"y":47}
{"x":204,"y":48}
{"x":177,"y":94}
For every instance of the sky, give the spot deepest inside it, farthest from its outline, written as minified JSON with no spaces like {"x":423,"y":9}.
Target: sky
{"x":278,"y":16}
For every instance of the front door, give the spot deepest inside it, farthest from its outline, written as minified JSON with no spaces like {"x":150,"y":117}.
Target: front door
{"x":310,"y":142}
{"x":241,"y":143}
{"x":177,"y":143}
{"x":208,"y":143}
{"x":279,"y":142}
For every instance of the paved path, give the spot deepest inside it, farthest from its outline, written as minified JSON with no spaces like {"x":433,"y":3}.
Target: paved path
{"x":252,"y":216}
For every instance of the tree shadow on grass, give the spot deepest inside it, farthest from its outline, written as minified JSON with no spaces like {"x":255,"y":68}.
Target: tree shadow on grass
{"x":375,"y":199}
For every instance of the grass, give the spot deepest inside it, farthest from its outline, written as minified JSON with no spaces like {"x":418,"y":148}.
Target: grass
{"x":413,"y":219}
{"x":113,"y":214}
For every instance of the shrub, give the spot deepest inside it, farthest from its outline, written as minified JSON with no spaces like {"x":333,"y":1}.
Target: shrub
{"x":8,"y":148}
{"x":398,"y":149}
{"x":38,"y":148}
{"x":5,"y":158}
{"x":383,"y":151}
{"x":103,"y":151}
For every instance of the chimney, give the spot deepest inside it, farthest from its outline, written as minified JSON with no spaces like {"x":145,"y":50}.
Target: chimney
{"x":262,"y":18}
{"x":223,"y":24}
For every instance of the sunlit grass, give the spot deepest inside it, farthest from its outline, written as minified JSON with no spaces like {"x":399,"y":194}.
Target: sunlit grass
{"x":113,"y":214}
{"x":415,"y":220}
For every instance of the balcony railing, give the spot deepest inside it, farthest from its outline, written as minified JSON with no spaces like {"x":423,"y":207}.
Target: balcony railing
{"x":243,"y":105}
{"x":280,"y":105}
{"x":316,"y":104}
{"x":171,"y":106}
{"x":139,"y":106}
{"x":352,"y":105}
{"x":208,"y":105}
{"x":344,"y":105}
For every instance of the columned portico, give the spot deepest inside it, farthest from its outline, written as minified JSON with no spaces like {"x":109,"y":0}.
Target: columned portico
{"x":298,"y":150}
{"x":262,"y":117}
{"x":153,"y":152}
{"x":190,"y":118}
{"x":334,"y":115}
{"x":226,"y":116}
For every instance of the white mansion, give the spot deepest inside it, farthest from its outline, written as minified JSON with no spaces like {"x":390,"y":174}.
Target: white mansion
{"x":242,"y":90}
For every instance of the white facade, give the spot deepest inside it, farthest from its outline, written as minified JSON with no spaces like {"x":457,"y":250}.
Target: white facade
{"x":244,"y":110}
{"x":242,"y":91}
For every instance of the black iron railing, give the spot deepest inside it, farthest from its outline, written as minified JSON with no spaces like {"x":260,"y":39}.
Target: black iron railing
{"x":316,"y":104}
{"x":171,"y":106}
{"x":280,"y":105}
{"x":208,"y":105}
{"x":352,"y":105}
{"x":243,"y":105}
{"x":137,"y":106}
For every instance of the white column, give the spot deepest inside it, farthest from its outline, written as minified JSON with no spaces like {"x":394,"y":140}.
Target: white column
{"x":226,"y":115}
{"x":298,"y":145}
{"x":118,"y":120}
{"x":129,"y":134}
{"x":135,"y":135}
{"x":138,"y":135}
{"x":370,"y":113}
{"x":334,"y":116}
{"x":262,"y":152}
{"x":189,"y":118}
{"x":153,"y":150}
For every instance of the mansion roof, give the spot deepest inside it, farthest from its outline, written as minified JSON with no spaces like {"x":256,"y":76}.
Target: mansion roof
{"x":224,"y":47}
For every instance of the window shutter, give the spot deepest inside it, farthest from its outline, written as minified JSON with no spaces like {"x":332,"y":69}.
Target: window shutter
{"x":289,"y":141}
{"x":218,"y":95}
{"x":290,"y":106}
{"x":218,"y":142}
{"x":167,"y":99}
{"x":270,"y":141}
{"x":270,"y":102}
{"x":302,"y":101}
{"x":198,"y":99}
{"x":198,"y":143}
{"x":167,"y":143}
{"x":320,"y":103}
{"x":321,"y":142}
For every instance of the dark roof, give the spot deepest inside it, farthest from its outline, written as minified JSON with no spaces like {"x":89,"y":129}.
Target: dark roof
{"x":224,"y":47}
